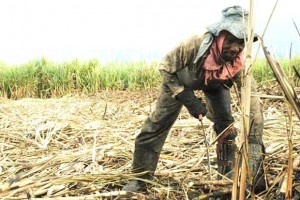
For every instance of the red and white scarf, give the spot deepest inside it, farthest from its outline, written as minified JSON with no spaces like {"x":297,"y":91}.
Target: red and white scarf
{"x":215,"y":67}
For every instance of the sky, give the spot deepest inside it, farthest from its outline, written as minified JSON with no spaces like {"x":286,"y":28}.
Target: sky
{"x":62,"y":30}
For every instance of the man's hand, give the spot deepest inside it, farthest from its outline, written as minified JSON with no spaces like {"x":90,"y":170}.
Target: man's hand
{"x":194,"y":105}
{"x":200,"y":117}
{"x":203,"y":110}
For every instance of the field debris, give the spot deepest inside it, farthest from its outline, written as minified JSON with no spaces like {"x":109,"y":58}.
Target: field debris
{"x":80,"y":147}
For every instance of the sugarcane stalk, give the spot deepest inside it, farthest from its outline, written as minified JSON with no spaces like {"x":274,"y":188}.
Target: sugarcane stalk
{"x":289,"y":182}
{"x":289,"y":92}
{"x":95,"y":196}
{"x":211,"y":183}
{"x":246,"y":95}
{"x":218,"y":193}
{"x":236,"y":177}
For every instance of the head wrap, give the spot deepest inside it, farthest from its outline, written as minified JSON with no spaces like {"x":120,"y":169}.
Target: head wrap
{"x":216,"y":68}
{"x":234,"y":20}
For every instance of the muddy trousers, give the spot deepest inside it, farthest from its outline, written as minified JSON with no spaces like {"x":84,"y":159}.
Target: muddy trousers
{"x":151,"y":139}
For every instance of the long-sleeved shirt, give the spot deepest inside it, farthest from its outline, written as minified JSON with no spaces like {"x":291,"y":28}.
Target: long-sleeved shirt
{"x":182,"y":68}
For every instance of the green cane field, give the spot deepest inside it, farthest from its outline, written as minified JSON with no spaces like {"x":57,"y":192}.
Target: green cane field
{"x":44,"y":78}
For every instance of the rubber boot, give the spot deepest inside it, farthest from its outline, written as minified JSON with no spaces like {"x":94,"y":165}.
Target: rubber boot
{"x":144,"y":161}
{"x":226,"y":153}
{"x":256,"y":166}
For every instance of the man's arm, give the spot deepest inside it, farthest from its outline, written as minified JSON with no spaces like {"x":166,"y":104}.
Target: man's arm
{"x":177,"y":59}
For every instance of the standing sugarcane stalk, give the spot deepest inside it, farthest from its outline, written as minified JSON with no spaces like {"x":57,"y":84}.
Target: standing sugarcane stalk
{"x":288,"y":192}
{"x":246,"y":94}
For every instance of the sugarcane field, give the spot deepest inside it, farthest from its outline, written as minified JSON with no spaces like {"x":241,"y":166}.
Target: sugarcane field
{"x":80,"y":145}
{"x":149,"y":100}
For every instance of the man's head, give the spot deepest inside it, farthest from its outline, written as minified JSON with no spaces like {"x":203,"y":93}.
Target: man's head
{"x":234,"y":20}
{"x":231,"y":47}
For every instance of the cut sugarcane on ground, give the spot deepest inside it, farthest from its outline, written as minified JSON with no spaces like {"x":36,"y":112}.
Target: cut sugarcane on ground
{"x":80,"y":147}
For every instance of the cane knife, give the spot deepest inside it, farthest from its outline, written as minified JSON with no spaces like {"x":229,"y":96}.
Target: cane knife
{"x":207,"y":148}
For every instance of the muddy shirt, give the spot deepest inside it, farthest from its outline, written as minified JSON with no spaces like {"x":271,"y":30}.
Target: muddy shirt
{"x":182,"y":68}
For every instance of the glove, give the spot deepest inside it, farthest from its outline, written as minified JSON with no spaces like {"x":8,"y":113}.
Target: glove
{"x":192,"y":103}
